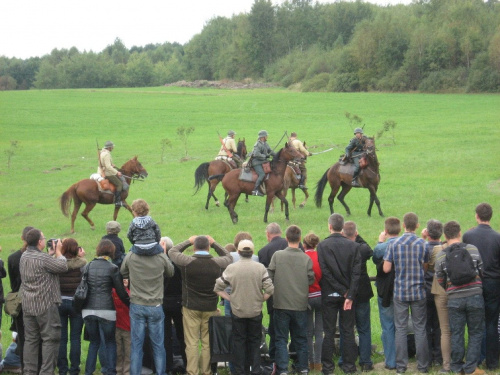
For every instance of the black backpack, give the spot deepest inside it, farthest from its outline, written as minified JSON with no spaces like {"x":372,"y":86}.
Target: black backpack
{"x":460,"y":267}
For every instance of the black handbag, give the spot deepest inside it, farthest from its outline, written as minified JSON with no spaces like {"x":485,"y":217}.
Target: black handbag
{"x":81,"y":291}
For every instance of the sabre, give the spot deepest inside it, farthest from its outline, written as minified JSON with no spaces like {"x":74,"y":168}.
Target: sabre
{"x":322,"y":152}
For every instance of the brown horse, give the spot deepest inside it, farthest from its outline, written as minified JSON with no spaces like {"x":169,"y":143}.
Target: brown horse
{"x":292,"y":182}
{"x":212,"y":172}
{"x":341,"y":176}
{"x":86,"y":191}
{"x":274,"y":184}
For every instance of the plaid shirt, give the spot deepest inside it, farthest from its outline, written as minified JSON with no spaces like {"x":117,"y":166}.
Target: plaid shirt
{"x":408,"y":254}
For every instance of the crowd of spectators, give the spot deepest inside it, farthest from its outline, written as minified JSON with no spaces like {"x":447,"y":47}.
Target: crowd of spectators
{"x":151,"y":306}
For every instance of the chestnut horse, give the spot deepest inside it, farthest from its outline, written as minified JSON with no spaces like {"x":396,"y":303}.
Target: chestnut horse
{"x":339,"y":176}
{"x":292,"y":182}
{"x":212,"y":172}
{"x":86,"y":191}
{"x":274,"y":184}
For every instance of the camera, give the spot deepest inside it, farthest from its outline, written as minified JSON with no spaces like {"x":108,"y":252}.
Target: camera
{"x":52,"y":243}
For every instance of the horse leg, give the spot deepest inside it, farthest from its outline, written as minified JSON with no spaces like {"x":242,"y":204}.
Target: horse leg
{"x":343,"y":193}
{"x":293,"y":198}
{"x":89,"y":207}
{"x":331,"y":197}
{"x":230,"y":204}
{"x":374,"y":198}
{"x":306,"y":194}
{"x":246,"y":198}
{"x":283,"y":200}
{"x":76,"y":207}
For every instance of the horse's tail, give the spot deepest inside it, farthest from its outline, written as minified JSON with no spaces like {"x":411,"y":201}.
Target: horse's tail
{"x":320,"y":187}
{"x":200,"y":176}
{"x":65,"y":200}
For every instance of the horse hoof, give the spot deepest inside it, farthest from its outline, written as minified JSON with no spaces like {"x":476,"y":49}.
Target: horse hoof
{"x":92,"y":227}
{"x":235,"y":221}
{"x":217,"y":204}
{"x":246,"y":200}
{"x":301,"y":205}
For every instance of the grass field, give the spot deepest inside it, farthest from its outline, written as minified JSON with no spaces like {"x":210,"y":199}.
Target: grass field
{"x":444,"y":162}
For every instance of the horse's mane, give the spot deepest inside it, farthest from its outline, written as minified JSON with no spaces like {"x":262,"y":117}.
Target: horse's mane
{"x":275,"y":159}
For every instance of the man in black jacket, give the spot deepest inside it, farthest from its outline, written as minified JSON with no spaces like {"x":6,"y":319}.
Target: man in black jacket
{"x":340,"y":264}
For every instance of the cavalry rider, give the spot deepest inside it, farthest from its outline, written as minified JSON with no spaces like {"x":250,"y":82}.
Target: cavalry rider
{"x":299,"y":146}
{"x":260,"y":154}
{"x":108,"y":170}
{"x":354,"y":150}
{"x":228,"y":149}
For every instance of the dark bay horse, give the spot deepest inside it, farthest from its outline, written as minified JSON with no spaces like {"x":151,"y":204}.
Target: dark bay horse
{"x":341,"y":176}
{"x":86,"y":191}
{"x":274,"y":184}
{"x":212,"y":172}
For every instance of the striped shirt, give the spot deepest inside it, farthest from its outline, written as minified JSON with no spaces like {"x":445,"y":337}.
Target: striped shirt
{"x":40,"y":280}
{"x":459,"y":291}
{"x":408,"y":254}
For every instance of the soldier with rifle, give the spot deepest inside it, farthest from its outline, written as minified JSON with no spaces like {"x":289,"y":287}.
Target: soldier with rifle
{"x":354,"y":150}
{"x":228,"y":149}
{"x":260,"y":155}
{"x":108,"y":170}
{"x":299,"y":146}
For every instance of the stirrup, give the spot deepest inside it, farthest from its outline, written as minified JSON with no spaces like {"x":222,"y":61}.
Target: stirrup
{"x":257,"y":193}
{"x":355,"y":183}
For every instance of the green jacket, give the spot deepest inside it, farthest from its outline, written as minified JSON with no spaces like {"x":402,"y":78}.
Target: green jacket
{"x":261,"y":152}
{"x":355,"y":147}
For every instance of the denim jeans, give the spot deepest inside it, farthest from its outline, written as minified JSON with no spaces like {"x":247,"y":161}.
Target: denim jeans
{"x":247,"y":335}
{"x":67,"y":313}
{"x":95,"y":327}
{"x":466,"y":311}
{"x":331,"y":308}
{"x":491,"y":294}
{"x":386,"y":315}
{"x":153,"y":318}
{"x":314,"y":330}
{"x":419,"y":319}
{"x":363,"y":326}
{"x":295,"y":323}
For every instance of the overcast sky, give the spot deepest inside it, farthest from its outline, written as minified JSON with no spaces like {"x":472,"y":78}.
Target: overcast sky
{"x":35,"y":27}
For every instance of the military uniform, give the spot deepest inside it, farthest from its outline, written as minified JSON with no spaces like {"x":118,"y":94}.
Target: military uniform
{"x":299,"y":146}
{"x":107,"y":169}
{"x":228,"y":144}
{"x":355,"y":150}
{"x":260,"y":154}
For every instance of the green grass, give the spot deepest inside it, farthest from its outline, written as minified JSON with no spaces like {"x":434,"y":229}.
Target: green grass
{"x":444,"y":162}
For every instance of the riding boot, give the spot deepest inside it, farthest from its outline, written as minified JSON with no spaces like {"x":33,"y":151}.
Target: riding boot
{"x":355,"y":182}
{"x":302,"y":185}
{"x":118,"y":199}
{"x":256,"y":191}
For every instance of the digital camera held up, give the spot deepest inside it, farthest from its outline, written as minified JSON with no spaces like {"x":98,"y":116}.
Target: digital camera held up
{"x":51,"y":243}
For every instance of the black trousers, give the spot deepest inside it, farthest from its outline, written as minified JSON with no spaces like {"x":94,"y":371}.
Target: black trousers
{"x":247,"y":335}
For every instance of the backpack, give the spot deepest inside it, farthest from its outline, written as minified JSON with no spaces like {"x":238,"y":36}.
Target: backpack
{"x":13,"y":302}
{"x":460,"y":267}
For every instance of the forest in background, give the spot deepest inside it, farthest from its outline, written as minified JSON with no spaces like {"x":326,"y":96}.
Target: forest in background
{"x":427,"y":46}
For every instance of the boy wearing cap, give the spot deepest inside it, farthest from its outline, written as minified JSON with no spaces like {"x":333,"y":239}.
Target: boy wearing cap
{"x":251,"y":286}
{"x":112,"y":230}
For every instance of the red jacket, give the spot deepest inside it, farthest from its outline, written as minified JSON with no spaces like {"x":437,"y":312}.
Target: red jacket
{"x":314,"y":289}
{"x":122,"y":312}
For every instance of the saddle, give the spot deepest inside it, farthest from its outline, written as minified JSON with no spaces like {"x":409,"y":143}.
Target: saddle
{"x":295,"y":168}
{"x":249,"y":175}
{"x":105,"y":186}
{"x":231,"y":163}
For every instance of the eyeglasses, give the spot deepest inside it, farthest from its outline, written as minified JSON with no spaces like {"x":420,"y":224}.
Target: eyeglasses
{"x":42,"y":238}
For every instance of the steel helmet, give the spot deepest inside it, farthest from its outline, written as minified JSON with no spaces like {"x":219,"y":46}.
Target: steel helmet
{"x":358,"y":130}
{"x":109,"y":144}
{"x":262,"y":133}
{"x":231,"y":133}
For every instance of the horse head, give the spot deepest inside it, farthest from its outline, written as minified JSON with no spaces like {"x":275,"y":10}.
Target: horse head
{"x":241,"y":149}
{"x":369,"y":150}
{"x":134,"y":168}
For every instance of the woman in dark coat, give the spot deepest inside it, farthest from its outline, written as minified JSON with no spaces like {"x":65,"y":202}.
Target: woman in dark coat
{"x":99,"y":310}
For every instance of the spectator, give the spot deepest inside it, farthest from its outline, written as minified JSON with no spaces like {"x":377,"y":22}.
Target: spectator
{"x":275,"y":243}
{"x":3,"y":273}
{"x":172,"y":308}
{"x":112,"y":230}
{"x":362,"y":301}
{"x":199,"y":300}
{"x":291,"y":272}
{"x":314,"y":318}
{"x":433,"y":234}
{"x":15,"y":283}
{"x":144,"y":233}
{"x":465,"y":302}
{"x":409,"y":256}
{"x":99,"y":311}
{"x":146,"y":269}
{"x":11,"y":363}
{"x":488,"y":243}
{"x":385,"y":290}
{"x":248,"y":279}
{"x":122,"y":332}
{"x":69,"y":281}
{"x":340,"y":264}
{"x":41,"y":295}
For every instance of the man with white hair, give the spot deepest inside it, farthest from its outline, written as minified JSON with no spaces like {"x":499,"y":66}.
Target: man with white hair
{"x":251,"y":286}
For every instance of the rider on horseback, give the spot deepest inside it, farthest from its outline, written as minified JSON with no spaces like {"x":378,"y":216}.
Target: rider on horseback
{"x":228,"y":149}
{"x":260,"y":155}
{"x":354,"y":150}
{"x":108,"y":170}
{"x":299,"y":146}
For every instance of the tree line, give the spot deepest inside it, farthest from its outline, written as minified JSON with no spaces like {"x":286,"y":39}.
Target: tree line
{"x":428,"y":45}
